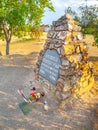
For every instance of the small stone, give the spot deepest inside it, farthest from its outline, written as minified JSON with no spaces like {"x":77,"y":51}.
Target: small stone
{"x":46,"y":106}
{"x":65,"y":62}
{"x":66,"y":95}
{"x":80,"y":36}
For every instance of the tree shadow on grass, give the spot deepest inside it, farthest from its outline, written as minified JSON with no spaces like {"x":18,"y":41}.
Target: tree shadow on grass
{"x":19,"y":60}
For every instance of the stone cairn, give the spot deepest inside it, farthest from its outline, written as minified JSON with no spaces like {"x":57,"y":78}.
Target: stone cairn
{"x":76,"y":72}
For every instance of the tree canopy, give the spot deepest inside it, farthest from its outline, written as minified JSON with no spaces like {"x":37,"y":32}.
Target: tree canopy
{"x":89,"y":20}
{"x":17,"y":15}
{"x":87,"y":17}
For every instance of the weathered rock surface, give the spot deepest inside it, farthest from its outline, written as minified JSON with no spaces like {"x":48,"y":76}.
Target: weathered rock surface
{"x":76,"y":72}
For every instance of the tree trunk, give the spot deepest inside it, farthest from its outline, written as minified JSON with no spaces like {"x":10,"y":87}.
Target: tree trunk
{"x":8,"y":35}
{"x":7,"y":47}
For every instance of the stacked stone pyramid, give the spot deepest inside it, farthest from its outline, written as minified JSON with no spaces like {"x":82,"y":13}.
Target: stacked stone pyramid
{"x":75,"y":71}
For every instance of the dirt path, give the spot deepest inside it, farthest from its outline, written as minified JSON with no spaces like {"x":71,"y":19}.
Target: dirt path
{"x":16,"y":74}
{"x":79,"y":116}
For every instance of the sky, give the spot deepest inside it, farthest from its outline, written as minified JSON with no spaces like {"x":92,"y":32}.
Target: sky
{"x":60,"y":7}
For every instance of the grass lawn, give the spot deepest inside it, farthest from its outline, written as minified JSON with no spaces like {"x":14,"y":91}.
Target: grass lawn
{"x":23,"y":47}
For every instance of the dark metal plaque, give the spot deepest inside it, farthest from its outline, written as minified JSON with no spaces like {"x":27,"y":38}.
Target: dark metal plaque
{"x":49,"y":68}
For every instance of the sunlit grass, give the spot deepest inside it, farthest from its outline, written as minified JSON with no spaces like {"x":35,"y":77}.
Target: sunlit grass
{"x":23,"y":47}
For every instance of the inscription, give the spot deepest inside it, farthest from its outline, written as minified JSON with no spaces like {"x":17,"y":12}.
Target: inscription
{"x":49,"y":68}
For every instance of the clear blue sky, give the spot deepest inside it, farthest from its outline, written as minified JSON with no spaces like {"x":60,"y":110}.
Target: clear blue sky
{"x":61,"y":5}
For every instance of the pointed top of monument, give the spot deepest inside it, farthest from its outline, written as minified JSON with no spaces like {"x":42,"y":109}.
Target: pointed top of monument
{"x":68,"y":16}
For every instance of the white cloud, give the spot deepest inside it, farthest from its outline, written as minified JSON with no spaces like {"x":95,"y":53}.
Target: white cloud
{"x":80,"y":2}
{"x":58,"y":3}
{"x":72,"y":3}
{"x":92,"y":2}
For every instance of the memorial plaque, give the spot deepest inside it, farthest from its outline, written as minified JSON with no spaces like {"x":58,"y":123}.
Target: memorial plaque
{"x":49,"y":68}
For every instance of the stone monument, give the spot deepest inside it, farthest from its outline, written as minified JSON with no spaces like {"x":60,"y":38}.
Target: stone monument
{"x":64,"y":60}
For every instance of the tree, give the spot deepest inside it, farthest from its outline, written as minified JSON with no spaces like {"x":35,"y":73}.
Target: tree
{"x":18,"y":15}
{"x":89,"y":20}
{"x":87,"y":17}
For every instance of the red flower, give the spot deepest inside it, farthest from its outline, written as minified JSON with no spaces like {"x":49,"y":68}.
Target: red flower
{"x":33,"y":89}
{"x":33,"y":94}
